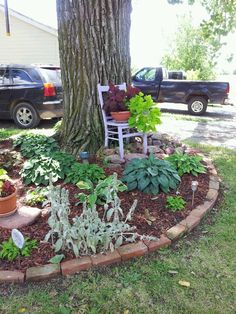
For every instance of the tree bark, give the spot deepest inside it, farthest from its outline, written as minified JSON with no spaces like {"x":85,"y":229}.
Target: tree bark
{"x":94,"y":37}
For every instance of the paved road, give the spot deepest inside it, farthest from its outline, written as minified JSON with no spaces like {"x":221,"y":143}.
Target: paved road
{"x":217,"y":127}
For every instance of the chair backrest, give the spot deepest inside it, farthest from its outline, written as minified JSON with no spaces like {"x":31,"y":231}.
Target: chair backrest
{"x":103,"y":89}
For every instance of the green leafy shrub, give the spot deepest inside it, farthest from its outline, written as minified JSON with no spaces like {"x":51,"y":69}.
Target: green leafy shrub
{"x":185,"y":163}
{"x":83,"y":171}
{"x":35,"y":145}
{"x":36,"y":197}
{"x":145,"y":115}
{"x":104,"y":192}
{"x":88,"y":233}
{"x":175,"y":203}
{"x":150,"y":175}
{"x":39,"y":169}
{"x":9,"y":251}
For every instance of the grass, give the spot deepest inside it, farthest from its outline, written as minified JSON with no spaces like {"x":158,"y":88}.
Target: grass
{"x":7,"y":132}
{"x":206,"y":259}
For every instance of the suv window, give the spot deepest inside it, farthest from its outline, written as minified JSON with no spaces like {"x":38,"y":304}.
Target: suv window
{"x":52,"y":75}
{"x":4,"y":77}
{"x":20,"y":77}
{"x":146,"y":75}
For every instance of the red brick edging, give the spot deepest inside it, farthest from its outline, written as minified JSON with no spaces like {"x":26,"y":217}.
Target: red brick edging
{"x":125,"y":252}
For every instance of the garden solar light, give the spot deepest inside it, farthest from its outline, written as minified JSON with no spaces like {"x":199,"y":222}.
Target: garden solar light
{"x":194,"y":186}
{"x":84,"y":156}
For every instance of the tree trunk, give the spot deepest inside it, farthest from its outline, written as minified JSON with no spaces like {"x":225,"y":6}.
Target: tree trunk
{"x":94,"y":48}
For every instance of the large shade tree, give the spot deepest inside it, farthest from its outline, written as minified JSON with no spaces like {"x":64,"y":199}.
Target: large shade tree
{"x":94,"y":47}
{"x":94,"y":38}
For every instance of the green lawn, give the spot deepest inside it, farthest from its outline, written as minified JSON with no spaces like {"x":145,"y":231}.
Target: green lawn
{"x":206,"y":259}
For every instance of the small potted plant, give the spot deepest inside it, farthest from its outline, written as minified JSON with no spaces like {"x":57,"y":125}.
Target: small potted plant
{"x":7,"y":195}
{"x":116,"y":103}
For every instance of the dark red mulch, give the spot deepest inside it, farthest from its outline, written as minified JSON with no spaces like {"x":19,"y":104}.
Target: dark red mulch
{"x":148,"y":206}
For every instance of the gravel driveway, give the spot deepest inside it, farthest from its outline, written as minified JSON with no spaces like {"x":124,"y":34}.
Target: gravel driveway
{"x":217,"y":127}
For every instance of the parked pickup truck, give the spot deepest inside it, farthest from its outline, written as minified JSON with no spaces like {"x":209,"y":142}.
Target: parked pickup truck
{"x":196,"y":94}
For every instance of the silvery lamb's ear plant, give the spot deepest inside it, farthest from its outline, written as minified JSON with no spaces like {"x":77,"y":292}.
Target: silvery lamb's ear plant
{"x":88,"y":233}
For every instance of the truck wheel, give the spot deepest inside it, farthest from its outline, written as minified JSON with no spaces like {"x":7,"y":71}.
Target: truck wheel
{"x":25,"y":116}
{"x":197,"y":105}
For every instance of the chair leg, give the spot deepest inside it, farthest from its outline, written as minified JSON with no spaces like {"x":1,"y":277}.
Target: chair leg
{"x":121,"y":144}
{"x":145,"y":143}
{"x":106,"y":139}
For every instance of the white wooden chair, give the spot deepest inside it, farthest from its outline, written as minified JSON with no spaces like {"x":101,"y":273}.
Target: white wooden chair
{"x":118,"y":131}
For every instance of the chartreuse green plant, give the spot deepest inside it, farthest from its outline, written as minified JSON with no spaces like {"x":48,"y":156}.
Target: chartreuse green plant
{"x":36,"y":196}
{"x":185,"y":163}
{"x":103,"y":192}
{"x":175,"y":203}
{"x":9,"y":251}
{"x":145,"y":115}
{"x":35,"y":144}
{"x":88,"y":233}
{"x":150,"y":175}
{"x":84,"y":171}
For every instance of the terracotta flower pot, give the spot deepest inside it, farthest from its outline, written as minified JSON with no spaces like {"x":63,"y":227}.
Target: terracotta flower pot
{"x":8,"y":205}
{"x":121,"y":116}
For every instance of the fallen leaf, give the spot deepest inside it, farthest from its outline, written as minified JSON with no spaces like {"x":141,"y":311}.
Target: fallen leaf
{"x":23,"y":310}
{"x":53,"y":293}
{"x":154,"y":198}
{"x":173,"y":272}
{"x":184,"y":283}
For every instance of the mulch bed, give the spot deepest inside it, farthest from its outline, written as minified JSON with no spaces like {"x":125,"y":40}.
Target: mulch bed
{"x":148,"y":206}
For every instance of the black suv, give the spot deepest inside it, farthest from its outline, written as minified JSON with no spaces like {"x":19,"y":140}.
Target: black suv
{"x":30,"y":93}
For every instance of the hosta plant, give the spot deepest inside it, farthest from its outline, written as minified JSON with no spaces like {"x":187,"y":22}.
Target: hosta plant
{"x":36,"y":196}
{"x":88,"y":233}
{"x":9,"y":251}
{"x":83,"y":171}
{"x":175,"y":203}
{"x":145,"y":115}
{"x":104,"y":192}
{"x":151,"y":175}
{"x":185,"y":163}
{"x":35,"y":145}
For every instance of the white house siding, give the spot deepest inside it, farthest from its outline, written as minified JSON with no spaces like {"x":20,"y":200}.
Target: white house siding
{"x":27,"y":43}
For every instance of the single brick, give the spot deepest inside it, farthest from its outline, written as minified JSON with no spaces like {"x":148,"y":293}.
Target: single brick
{"x":176,"y":232}
{"x":106,"y":259}
{"x":213,"y":172}
{"x":155,"y":245}
{"x":132,"y":250}
{"x":201,"y":210}
{"x":75,"y":265}
{"x":11,"y":276}
{"x":190,"y":222}
{"x":212,"y":195}
{"x":214,"y":185}
{"x":214,"y":178}
{"x":42,"y":272}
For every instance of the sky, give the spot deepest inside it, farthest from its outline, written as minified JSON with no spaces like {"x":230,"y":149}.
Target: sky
{"x":153,"y":24}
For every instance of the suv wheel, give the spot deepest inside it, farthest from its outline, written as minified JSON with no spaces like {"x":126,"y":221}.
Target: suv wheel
{"x":197,"y":105}
{"x":25,"y":116}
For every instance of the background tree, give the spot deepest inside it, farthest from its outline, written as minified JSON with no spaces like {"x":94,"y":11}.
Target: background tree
{"x":94,"y":39}
{"x":190,"y":52}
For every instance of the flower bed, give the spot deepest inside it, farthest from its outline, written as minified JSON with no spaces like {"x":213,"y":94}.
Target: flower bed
{"x":151,"y":217}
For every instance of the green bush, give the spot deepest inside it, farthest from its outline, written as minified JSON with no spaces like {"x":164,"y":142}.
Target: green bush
{"x":39,"y":169}
{"x":145,"y":115}
{"x":151,"y":175}
{"x":185,"y":163}
{"x":36,"y":197}
{"x":32,"y":145}
{"x":9,"y":251}
{"x":175,"y":203}
{"x":83,"y":172}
